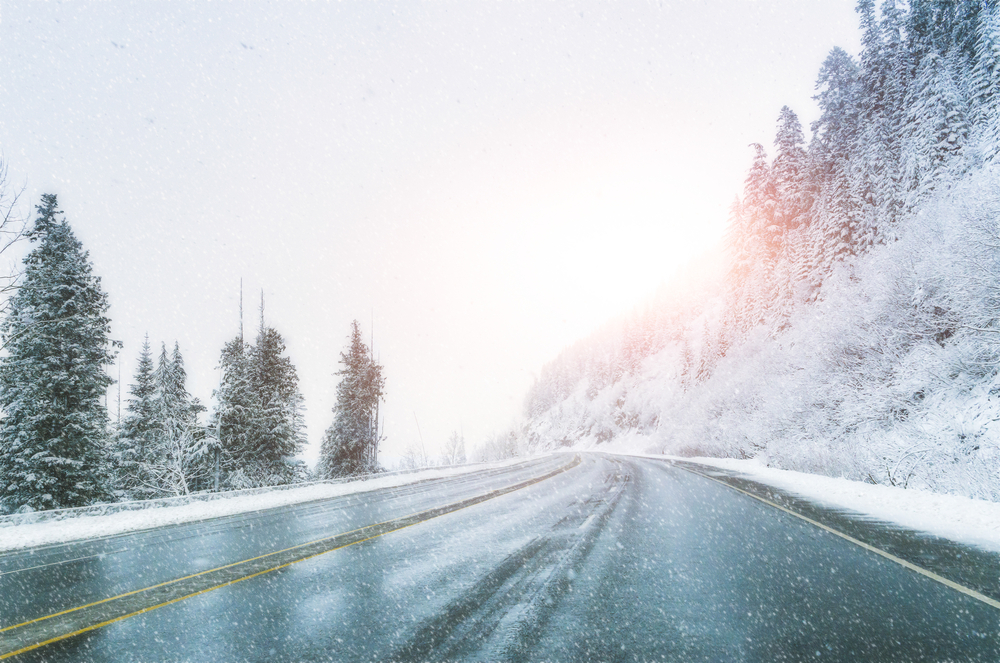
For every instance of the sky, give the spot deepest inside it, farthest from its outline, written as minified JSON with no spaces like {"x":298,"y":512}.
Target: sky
{"x":479,"y":184}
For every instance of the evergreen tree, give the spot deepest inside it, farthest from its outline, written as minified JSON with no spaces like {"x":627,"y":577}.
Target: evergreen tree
{"x":942,"y":26}
{"x":937,"y":127}
{"x":790,"y":172}
{"x":54,"y":432}
{"x":137,"y":436}
{"x":759,"y":199}
{"x":793,"y":193}
{"x":175,"y":408}
{"x":162,"y":450}
{"x":758,"y":241}
{"x":259,"y":412}
{"x":235,"y":412}
{"x":183,"y":460}
{"x":984,"y":84}
{"x":275,"y":385}
{"x":875,"y":168}
{"x":168,"y":402}
{"x":835,"y":134}
{"x":350,"y":444}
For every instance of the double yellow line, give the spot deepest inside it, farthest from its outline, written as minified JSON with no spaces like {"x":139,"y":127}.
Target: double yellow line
{"x":26,"y":639}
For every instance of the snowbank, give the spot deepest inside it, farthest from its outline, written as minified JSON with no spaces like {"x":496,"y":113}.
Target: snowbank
{"x":88,"y":527}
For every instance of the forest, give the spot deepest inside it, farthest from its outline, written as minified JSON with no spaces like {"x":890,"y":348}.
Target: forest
{"x":59,"y":447}
{"x":849,"y":326}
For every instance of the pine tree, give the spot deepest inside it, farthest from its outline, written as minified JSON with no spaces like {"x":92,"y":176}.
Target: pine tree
{"x":350,"y":444}
{"x":168,"y":402}
{"x":54,"y":432}
{"x":275,"y":385}
{"x":793,"y":193}
{"x":236,"y":412}
{"x":984,"y":88}
{"x":759,"y":199}
{"x":760,"y":242}
{"x":835,"y":135}
{"x":162,"y":450}
{"x":875,"y":169}
{"x":790,"y":172}
{"x":942,"y":26}
{"x":137,"y":436}
{"x":937,"y":126}
{"x":258,"y":417}
{"x":180,"y":463}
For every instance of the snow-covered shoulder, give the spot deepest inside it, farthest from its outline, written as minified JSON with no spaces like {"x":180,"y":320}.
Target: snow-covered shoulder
{"x":966,"y":520}
{"x":90,"y":527}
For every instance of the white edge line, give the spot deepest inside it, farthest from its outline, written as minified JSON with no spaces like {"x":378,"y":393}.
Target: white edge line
{"x":902,"y":562}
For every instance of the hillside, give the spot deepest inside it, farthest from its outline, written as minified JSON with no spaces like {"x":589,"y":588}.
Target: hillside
{"x":851,"y":328}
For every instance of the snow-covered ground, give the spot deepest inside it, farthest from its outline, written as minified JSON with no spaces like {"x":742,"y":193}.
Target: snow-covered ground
{"x":86,"y":527}
{"x":970,"y":521}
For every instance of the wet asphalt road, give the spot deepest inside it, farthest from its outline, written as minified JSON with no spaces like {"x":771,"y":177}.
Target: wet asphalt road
{"x":616,"y":559}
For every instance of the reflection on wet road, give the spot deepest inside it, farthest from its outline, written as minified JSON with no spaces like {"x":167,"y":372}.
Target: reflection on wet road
{"x":614,"y":559}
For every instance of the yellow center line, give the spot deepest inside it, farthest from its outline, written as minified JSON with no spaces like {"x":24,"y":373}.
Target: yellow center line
{"x":193,"y":594}
{"x":902,"y":562}
{"x":187,"y":577}
{"x":473,"y":501}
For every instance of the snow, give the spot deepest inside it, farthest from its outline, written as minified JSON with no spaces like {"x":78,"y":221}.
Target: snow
{"x":87,"y":527}
{"x":962,"y":519}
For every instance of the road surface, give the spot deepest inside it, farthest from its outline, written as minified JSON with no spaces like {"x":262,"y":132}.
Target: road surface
{"x":568,"y":558}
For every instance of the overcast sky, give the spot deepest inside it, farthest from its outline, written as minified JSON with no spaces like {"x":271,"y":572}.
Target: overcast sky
{"x":485,"y":182}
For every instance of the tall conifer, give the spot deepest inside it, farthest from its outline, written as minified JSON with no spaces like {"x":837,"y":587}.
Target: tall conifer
{"x":54,"y":433}
{"x":137,"y":437}
{"x":350,"y":444}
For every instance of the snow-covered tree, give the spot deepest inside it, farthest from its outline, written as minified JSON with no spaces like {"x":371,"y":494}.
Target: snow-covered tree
{"x":790,"y":172}
{"x":937,"y":126}
{"x":834,"y":214}
{"x":137,"y":436}
{"x":755,"y":243}
{"x":179,"y":461}
{"x":259,"y":409}
{"x":275,"y":385}
{"x":793,"y":194}
{"x":350,"y":444}
{"x":984,"y":83}
{"x":184,"y":461}
{"x":454,"y":449}
{"x":875,"y":158}
{"x":236,"y":412}
{"x":54,"y":432}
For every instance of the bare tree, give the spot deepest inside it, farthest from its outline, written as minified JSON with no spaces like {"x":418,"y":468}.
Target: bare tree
{"x":183,"y":461}
{"x":414,"y":457}
{"x":13,"y":229}
{"x":454,"y":449}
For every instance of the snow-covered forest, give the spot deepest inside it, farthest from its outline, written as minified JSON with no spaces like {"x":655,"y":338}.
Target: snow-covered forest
{"x":852,"y":325}
{"x":59,"y":447}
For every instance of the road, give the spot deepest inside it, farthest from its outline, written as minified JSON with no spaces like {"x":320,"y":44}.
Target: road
{"x":593,"y":558}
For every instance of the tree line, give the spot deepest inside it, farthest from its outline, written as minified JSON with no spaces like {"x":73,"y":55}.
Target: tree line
{"x":58,"y":447}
